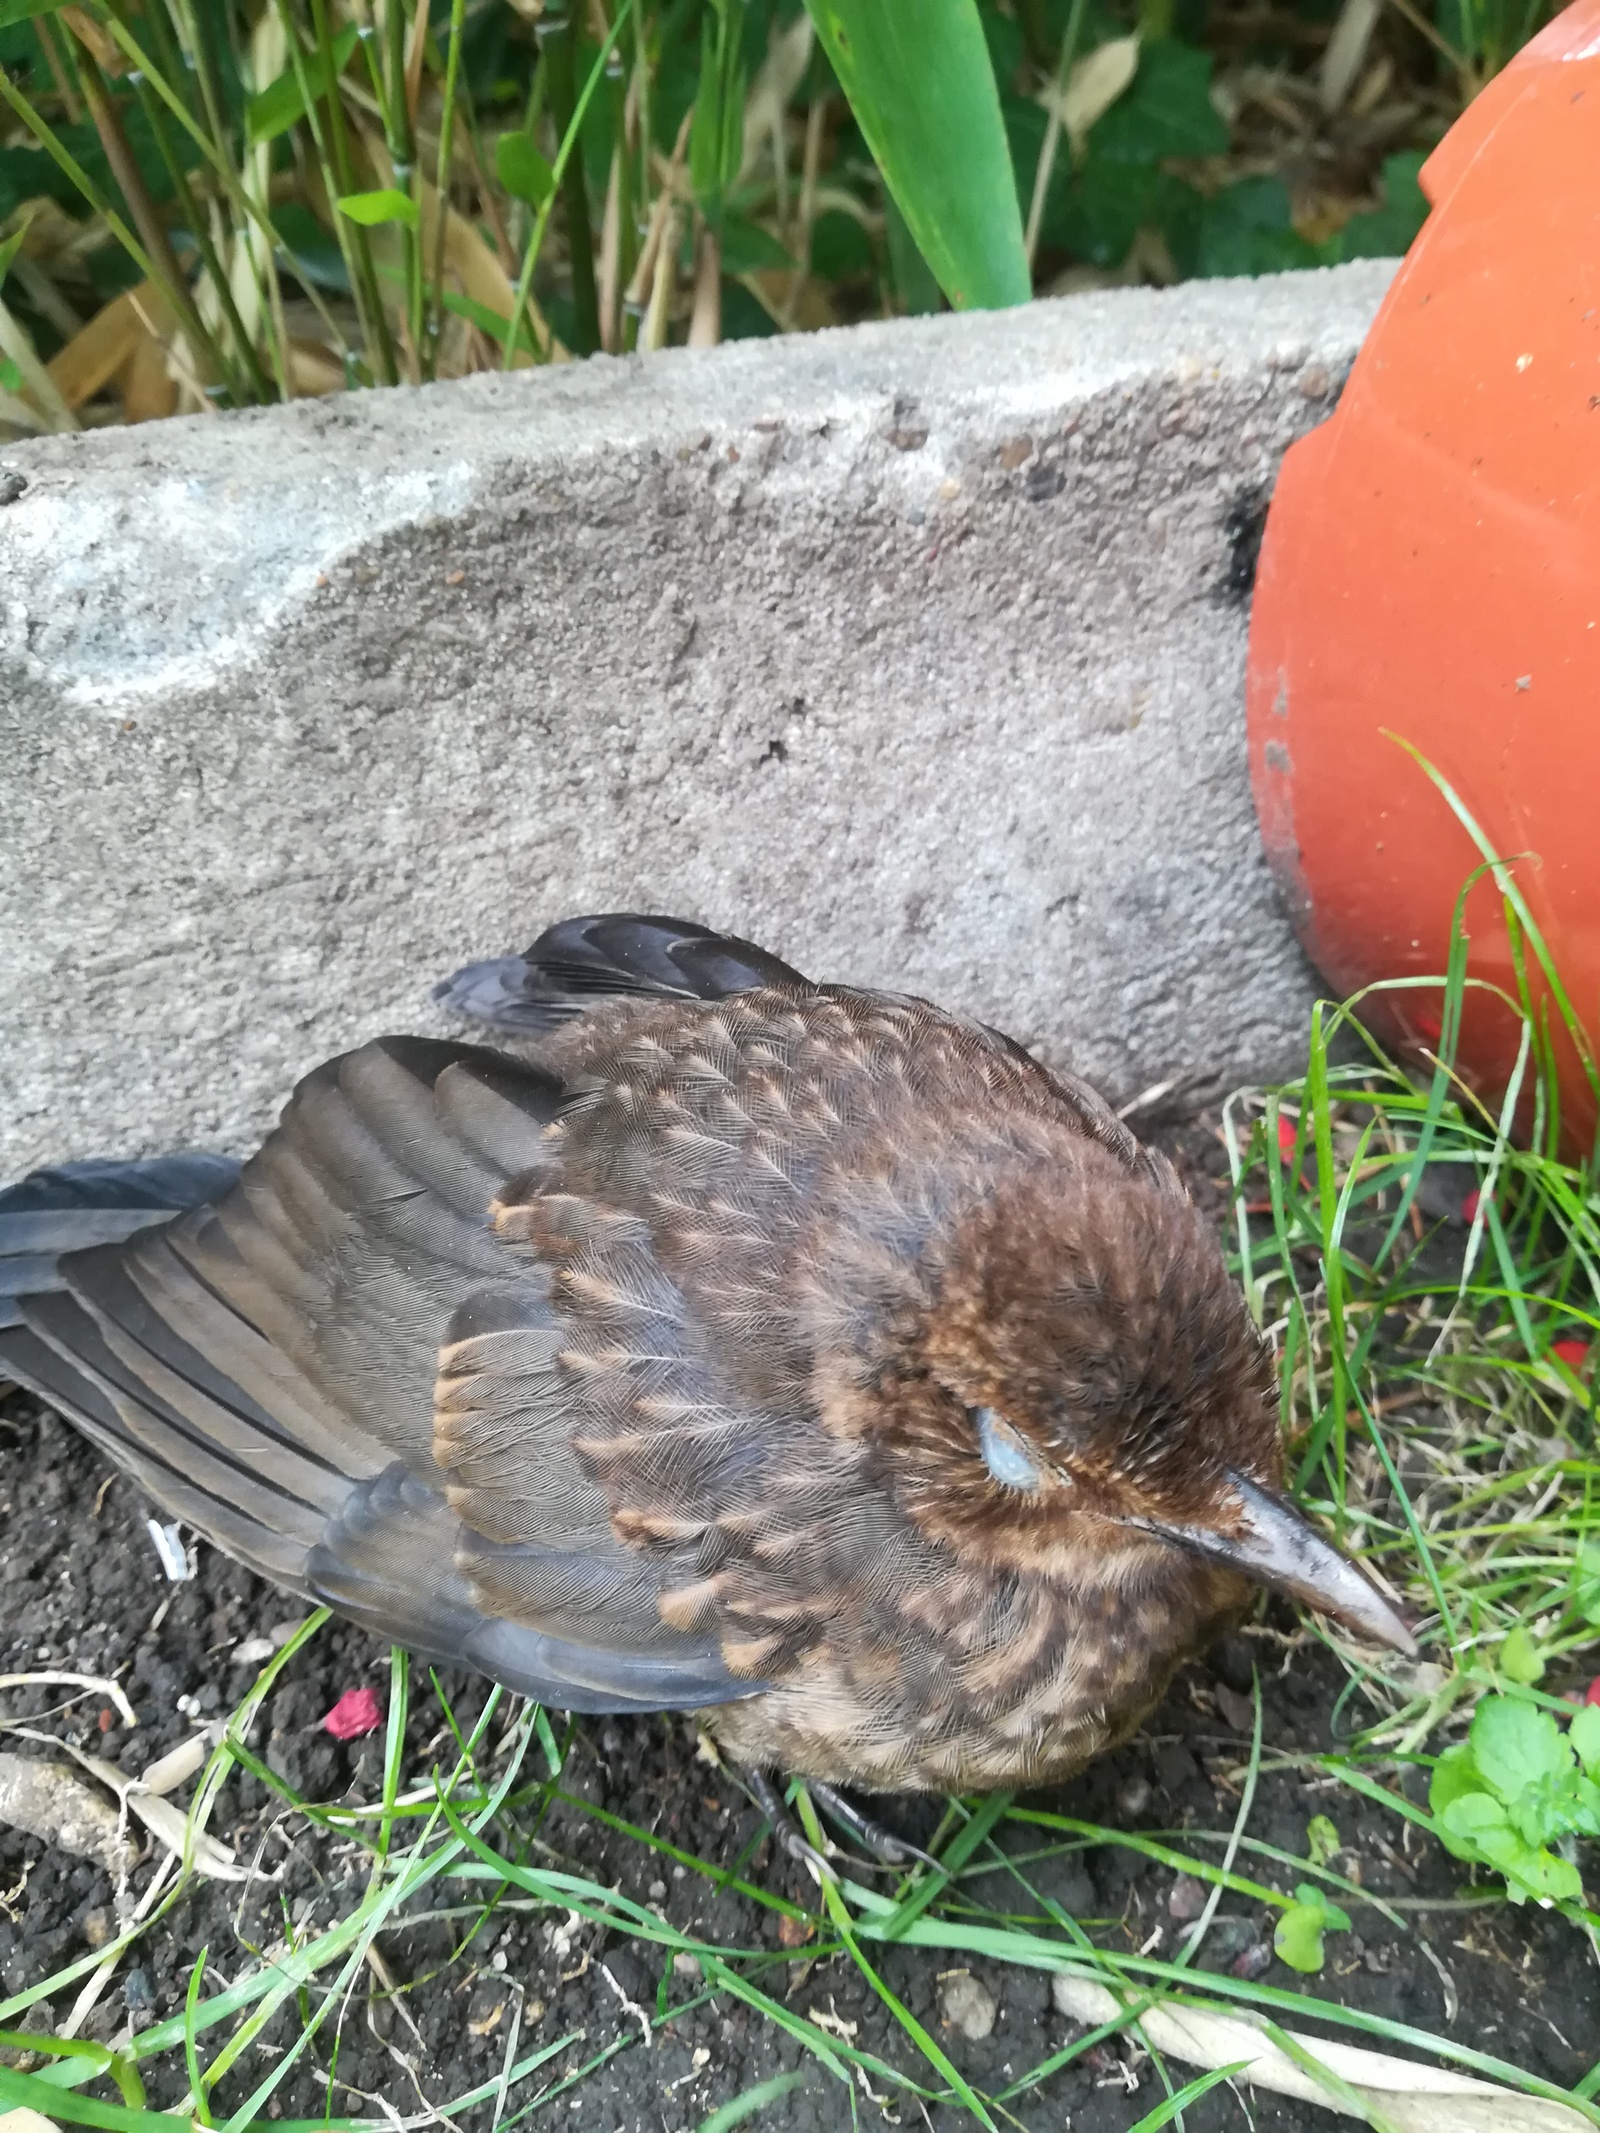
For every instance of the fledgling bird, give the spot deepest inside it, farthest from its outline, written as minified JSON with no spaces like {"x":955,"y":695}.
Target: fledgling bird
{"x":806,"y":1357}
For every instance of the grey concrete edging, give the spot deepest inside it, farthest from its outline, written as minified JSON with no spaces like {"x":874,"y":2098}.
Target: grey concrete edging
{"x":914,"y":651}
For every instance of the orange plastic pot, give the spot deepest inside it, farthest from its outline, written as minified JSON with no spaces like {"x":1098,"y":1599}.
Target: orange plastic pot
{"x":1431,"y":569}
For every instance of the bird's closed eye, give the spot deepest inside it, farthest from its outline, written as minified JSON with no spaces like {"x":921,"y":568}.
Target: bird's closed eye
{"x":1004,"y":1452}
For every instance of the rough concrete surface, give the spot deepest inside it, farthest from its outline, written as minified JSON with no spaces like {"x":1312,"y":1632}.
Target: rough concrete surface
{"x":914,"y":651}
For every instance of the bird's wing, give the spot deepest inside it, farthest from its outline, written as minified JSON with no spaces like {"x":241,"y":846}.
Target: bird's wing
{"x":71,"y":1205}
{"x":618,"y":954}
{"x":278,"y":1370}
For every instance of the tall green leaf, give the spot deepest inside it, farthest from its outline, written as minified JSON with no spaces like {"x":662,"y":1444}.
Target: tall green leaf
{"x":14,"y":11}
{"x":919,"y":81}
{"x":283,"y":100}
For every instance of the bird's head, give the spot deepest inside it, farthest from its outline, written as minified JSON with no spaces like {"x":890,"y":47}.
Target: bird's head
{"x":1056,"y":1375}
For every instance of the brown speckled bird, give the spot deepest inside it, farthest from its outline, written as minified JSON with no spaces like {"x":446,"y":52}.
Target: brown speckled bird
{"x":809,"y":1358}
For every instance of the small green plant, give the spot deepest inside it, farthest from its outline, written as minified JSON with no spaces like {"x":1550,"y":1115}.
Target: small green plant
{"x":1297,"y":1937}
{"x":1514,"y":1789}
{"x":1322,"y":1841}
{"x":1520,"y":1658}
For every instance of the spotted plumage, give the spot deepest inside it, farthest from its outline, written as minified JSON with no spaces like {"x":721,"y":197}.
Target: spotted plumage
{"x":808,"y":1357}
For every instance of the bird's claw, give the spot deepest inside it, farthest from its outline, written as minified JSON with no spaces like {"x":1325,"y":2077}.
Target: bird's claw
{"x":770,"y":1801}
{"x":882,"y":1843}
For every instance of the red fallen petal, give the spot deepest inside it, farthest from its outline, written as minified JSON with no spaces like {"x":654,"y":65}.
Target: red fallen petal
{"x":1592,"y":1693}
{"x":1573,"y":1353}
{"x":358,"y":1711}
{"x":1288,"y":1133}
{"x":1469,"y":1206}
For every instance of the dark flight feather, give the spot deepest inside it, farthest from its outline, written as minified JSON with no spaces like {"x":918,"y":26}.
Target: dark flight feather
{"x":268,"y":1367}
{"x":625,"y":953}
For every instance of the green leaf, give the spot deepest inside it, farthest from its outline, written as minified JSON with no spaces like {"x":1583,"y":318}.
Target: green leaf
{"x":1297,"y":1937}
{"x":388,"y":204}
{"x":841,"y":250}
{"x":1583,"y":1589}
{"x":1004,"y":39}
{"x":490,"y":322}
{"x":11,"y":378}
{"x":749,"y":249}
{"x":282,"y":101}
{"x":1322,"y":1840}
{"x":1453,"y":1774}
{"x":1471,"y":1821}
{"x":1482,"y":1830}
{"x":919,"y":81}
{"x":312,"y":252}
{"x":1390,"y":229}
{"x":1167,"y":112}
{"x":1455,"y":1777}
{"x":1247,"y":229}
{"x":744,"y":316}
{"x":28,"y":172}
{"x":1548,"y":1808}
{"x":1584,"y":1734}
{"x":913,"y":280}
{"x":1583,"y":1810}
{"x":1104,"y":209}
{"x":1514,"y":1745}
{"x":522,"y":170}
{"x":1312,"y":1892}
{"x":14,"y":11}
{"x":1519,"y":1658}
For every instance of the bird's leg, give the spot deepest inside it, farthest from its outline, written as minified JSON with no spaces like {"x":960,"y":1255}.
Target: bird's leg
{"x":883,"y":1844}
{"x":770,"y":1801}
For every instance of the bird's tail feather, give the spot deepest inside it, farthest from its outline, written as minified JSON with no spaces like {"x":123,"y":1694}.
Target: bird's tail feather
{"x":582,"y":960}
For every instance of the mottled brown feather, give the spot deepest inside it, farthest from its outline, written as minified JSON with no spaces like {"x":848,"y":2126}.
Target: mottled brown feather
{"x":646,"y":1375}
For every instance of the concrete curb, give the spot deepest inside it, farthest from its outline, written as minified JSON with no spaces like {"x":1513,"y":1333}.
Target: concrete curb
{"x":914,"y":651}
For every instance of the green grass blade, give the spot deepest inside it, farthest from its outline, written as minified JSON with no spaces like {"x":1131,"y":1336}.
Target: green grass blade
{"x":1191,"y":2092}
{"x":1076,"y":2049}
{"x":564,"y":153}
{"x":1339,"y":2092}
{"x":738,"y":2108}
{"x":954,"y":1857}
{"x":919,"y":81}
{"x":1033,"y":1951}
{"x":1247,"y":1796}
{"x":394,"y":1743}
{"x":25,"y":2092}
{"x":930,"y":2050}
{"x":191,"y":2056}
{"x":1505,"y":881}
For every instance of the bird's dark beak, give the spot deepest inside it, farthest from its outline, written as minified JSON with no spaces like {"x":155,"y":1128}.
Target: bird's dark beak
{"x":1275,"y":1544}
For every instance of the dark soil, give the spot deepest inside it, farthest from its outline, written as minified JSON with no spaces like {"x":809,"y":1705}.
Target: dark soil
{"x":81,"y":1589}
